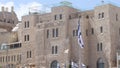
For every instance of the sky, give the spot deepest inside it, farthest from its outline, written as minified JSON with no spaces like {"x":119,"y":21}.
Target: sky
{"x":22,"y":7}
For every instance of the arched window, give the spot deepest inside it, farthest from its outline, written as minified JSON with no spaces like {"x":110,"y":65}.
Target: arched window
{"x":99,"y":15}
{"x":55,"y":64}
{"x":102,"y":14}
{"x":100,"y":63}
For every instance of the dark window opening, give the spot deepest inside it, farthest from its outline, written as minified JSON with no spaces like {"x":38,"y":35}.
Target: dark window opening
{"x":100,"y":46}
{"x":30,"y":54}
{"x":101,"y":29}
{"x":102,"y":14}
{"x":60,"y":16}
{"x":56,"y":49}
{"x":55,"y":17}
{"x":25,"y":24}
{"x":52,"y":49}
{"x":73,"y":33}
{"x":92,"y":31}
{"x":76,"y":32}
{"x":28,"y":24}
{"x":53,"y":32}
{"x":8,"y":22}
{"x":99,"y":16}
{"x":27,"y":37}
{"x":87,"y":17}
{"x":13,"y":22}
{"x":56,"y":32}
{"x":27,"y":54}
{"x":116,"y":17}
{"x":48,"y":33}
{"x":70,"y":17}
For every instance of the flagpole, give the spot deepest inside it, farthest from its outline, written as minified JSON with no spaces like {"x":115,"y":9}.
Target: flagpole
{"x":79,"y":58}
{"x":79,"y":48}
{"x":80,"y":43}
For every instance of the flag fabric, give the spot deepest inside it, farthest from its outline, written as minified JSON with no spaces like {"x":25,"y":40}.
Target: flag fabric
{"x":80,"y":40}
{"x":74,"y":65}
{"x":83,"y":65}
{"x":58,"y":65}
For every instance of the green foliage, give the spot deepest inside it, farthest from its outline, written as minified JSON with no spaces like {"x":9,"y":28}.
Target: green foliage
{"x":70,"y":66}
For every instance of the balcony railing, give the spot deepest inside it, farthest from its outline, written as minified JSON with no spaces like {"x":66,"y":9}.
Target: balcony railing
{"x":11,"y":46}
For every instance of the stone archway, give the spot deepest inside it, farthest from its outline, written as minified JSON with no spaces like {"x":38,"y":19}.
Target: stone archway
{"x":55,"y":64}
{"x":100,"y":63}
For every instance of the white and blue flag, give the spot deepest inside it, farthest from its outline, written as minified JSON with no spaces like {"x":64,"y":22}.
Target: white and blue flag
{"x":80,"y":40}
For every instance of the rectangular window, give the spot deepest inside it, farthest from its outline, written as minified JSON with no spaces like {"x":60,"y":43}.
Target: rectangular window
{"x":56,"y":49}
{"x":3,"y":59}
{"x":17,"y":57}
{"x":99,"y":15}
{"x":55,"y":17}
{"x":11,"y":58}
{"x":20,"y":57}
{"x":101,"y":29}
{"x":28,"y":24}
{"x":92,"y":31}
{"x":100,"y":46}
{"x":60,"y":16}
{"x":102,"y":14}
{"x":14,"y":58}
{"x":52,"y":49}
{"x":25,"y":24}
{"x":116,"y":17}
{"x":53,"y":32}
{"x":76,"y":32}
{"x":70,"y":17}
{"x":56,"y":32}
{"x":6,"y":59}
{"x":30,"y":54}
{"x":27,"y":37}
{"x":27,"y":54}
{"x":47,"y":33}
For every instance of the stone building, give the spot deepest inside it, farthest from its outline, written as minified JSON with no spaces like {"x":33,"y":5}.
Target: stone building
{"x":49,"y":40}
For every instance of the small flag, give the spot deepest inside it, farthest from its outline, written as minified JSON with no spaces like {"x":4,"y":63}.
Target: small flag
{"x":74,"y":65}
{"x":83,"y":65}
{"x":80,"y":40}
{"x":58,"y":65}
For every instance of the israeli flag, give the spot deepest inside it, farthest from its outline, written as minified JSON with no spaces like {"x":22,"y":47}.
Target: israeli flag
{"x":58,"y":65}
{"x":80,"y":40}
{"x":74,"y":65}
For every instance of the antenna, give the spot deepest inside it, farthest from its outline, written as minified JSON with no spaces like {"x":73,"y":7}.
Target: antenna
{"x":102,"y":1}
